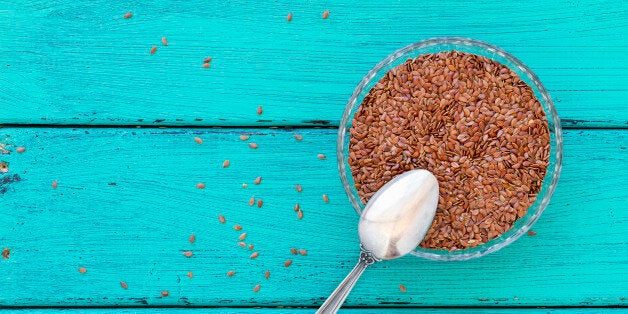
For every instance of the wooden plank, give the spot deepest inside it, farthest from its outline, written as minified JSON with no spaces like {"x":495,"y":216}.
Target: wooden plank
{"x":126,"y":204}
{"x":343,"y":310}
{"x":71,"y":62}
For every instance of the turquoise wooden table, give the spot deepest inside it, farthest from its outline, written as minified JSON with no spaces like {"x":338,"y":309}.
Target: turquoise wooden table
{"x":99,"y":164}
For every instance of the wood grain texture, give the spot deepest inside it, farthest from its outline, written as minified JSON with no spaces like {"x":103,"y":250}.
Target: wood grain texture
{"x":126,"y":204}
{"x":81,"y":62}
{"x":343,"y":310}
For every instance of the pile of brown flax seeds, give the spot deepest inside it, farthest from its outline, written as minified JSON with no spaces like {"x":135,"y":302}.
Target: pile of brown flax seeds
{"x":469,"y":120}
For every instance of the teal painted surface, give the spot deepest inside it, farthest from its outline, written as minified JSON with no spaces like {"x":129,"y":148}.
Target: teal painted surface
{"x":309,"y":310}
{"x":80,"y":62}
{"x":126,"y":203}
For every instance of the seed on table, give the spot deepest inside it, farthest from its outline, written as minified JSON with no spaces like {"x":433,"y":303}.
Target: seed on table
{"x":192,"y":238}
{"x":164,"y":41}
{"x":205,"y":65}
{"x":287,"y":263}
{"x":298,"y":137}
{"x":256,"y":288}
{"x":297,"y":207}
{"x":260,"y":110}
{"x":200,"y":185}
{"x":325,"y":198}
{"x":237,"y":227}
{"x":124,"y":285}
{"x":226,"y":163}
{"x":302,"y":252}
{"x":190,"y":274}
{"x":260,"y":202}
{"x":267,"y":274}
{"x":242,"y":244}
{"x":293,"y":251}
{"x":20,"y":149}
{"x":207,"y":60}
{"x":244,"y":137}
{"x":153,"y":50}
{"x":402,"y":288}
{"x":128,"y":15}
{"x":6,"y":253}
{"x":242,"y":236}
{"x":300,"y":214}
{"x":188,"y":253}
{"x":298,"y":187}
{"x":231,"y":273}
{"x":253,"y":145}
{"x":326,"y":14}
{"x":254,"y":255}
{"x":252,"y":201}
{"x":531,"y":233}
{"x":165,"y":293}
{"x":244,"y":185}
{"x":198,"y":140}
{"x":82,"y":270}
{"x":55,"y":184}
{"x":258,"y":180}
{"x":251,"y":247}
{"x":322,"y":156}
{"x":289,"y":17}
{"x":222,"y":219}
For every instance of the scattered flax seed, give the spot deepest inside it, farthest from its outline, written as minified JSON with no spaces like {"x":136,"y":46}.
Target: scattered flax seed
{"x":200,"y":185}
{"x":402,"y":288}
{"x":128,"y":15}
{"x":188,"y":253}
{"x":325,"y":198}
{"x":192,"y":238}
{"x":256,"y":288}
{"x":165,"y":293}
{"x":297,"y":207}
{"x":267,"y":274}
{"x":260,"y":202}
{"x":82,"y":270}
{"x":237,"y":227}
{"x":531,"y":233}
{"x":226,"y":163}
{"x":164,"y":41}
{"x":322,"y":156}
{"x":153,"y":50}
{"x":298,"y":137}
{"x":20,"y":149}
{"x":124,"y":285}
{"x":300,"y":214}
{"x":326,"y":14}
{"x":298,"y":187}
{"x":242,"y":244}
{"x":260,"y":110}
{"x":207,"y":60}
{"x":253,"y":145}
{"x":54,"y":184}
{"x":251,"y":247}
{"x":287,"y":263}
{"x":258,"y":180}
{"x":222,"y":219}
{"x":244,"y":185}
{"x":252,"y":201}
{"x":230,"y":273}
{"x":244,"y":137}
{"x":205,"y":65}
{"x":303,"y":252}
{"x":198,"y":140}
{"x":6,"y":253}
{"x":242,"y":236}
{"x":190,"y":274}
{"x":289,"y":17}
{"x":254,"y":255}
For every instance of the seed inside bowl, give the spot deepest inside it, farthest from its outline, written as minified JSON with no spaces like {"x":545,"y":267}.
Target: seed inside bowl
{"x":469,"y":120}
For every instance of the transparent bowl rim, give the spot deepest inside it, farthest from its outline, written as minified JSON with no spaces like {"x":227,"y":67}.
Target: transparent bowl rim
{"x":548,"y":105}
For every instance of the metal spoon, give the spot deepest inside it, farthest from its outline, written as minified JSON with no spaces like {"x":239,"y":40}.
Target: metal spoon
{"x":393,"y":223}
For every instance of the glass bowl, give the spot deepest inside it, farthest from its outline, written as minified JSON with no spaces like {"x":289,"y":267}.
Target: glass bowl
{"x":523,"y":224}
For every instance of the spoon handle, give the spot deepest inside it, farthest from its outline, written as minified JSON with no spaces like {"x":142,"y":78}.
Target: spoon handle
{"x":337,"y":298}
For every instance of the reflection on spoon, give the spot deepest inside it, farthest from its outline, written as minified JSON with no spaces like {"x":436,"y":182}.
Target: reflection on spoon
{"x":393,"y":224}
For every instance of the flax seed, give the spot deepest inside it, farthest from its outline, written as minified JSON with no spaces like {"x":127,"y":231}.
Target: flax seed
{"x":287,"y":263}
{"x":253,"y":145}
{"x":300,"y":214}
{"x":260,"y":110}
{"x":256,"y":288}
{"x":325,"y":198}
{"x":244,"y":185}
{"x":254,"y":255}
{"x":267,"y":274}
{"x":258,"y":180}
{"x":124,"y":285}
{"x":251,"y":247}
{"x":402,"y":288}
{"x":252,"y":201}
{"x":164,"y":41}
{"x":289,"y":17}
{"x":165,"y":293}
{"x":293,"y":251}
{"x":298,"y":187}
{"x":55,"y":184}
{"x":190,"y":274}
{"x":20,"y":149}
{"x":198,"y":140}
{"x":302,"y":252}
{"x":242,"y":244}
{"x":188,"y":253}
{"x":205,"y":65}
{"x":260,"y":203}
{"x":82,"y":270}
{"x":207,"y":60}
{"x":226,"y":163}
{"x":192,"y":238}
{"x":242,"y":236}
{"x":222,"y":219}
{"x":244,"y":137}
{"x":231,"y":273}
{"x":325,"y":14}
{"x":237,"y":227}
{"x":531,"y":233}
{"x":322,"y":156}
{"x":298,"y":137}
{"x":297,"y":207}
{"x":153,"y":50}
{"x":128,"y":15}
{"x":200,"y":185}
